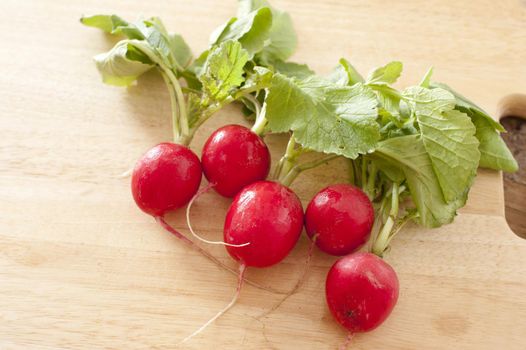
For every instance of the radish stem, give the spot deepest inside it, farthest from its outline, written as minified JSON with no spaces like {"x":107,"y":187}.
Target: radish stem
{"x":298,"y":169}
{"x":384,"y":237}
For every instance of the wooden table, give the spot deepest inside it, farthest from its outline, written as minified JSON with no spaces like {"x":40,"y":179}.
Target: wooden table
{"x":82,"y":268}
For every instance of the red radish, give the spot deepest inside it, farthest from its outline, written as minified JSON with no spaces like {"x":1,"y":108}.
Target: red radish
{"x":341,"y":218}
{"x":270,"y":217}
{"x":361,"y":291}
{"x":165,"y":178}
{"x":234,"y":157}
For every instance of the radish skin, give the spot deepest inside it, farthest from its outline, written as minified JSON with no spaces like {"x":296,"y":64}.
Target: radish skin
{"x":234,"y":157}
{"x":165,"y":178}
{"x":361,"y":291}
{"x":270,"y":217}
{"x":341,"y":217}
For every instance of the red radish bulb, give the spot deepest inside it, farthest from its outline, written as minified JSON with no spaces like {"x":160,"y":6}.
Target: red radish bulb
{"x":341,"y":217}
{"x":234,"y":157}
{"x":270,"y":217}
{"x":165,"y":178}
{"x":361,"y":291}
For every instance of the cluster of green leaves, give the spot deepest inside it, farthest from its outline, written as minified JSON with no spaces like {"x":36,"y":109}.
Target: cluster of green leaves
{"x":424,"y":142}
{"x":228,"y":70}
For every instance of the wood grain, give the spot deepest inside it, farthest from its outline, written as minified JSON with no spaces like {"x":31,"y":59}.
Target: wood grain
{"x":82,"y":268}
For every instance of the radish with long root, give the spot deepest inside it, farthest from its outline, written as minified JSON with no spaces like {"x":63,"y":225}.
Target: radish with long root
{"x":165,"y":178}
{"x":361,"y":291}
{"x":267,"y":215}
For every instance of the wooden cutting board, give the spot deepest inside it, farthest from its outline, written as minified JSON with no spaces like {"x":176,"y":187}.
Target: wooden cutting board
{"x":82,"y":268}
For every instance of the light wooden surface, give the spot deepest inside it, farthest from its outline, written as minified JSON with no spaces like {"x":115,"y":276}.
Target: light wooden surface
{"x":82,"y":268}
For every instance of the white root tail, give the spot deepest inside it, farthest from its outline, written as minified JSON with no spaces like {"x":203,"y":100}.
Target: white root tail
{"x":242,"y":269}
{"x":209,"y":256}
{"x":189,"y":207}
{"x":125,"y":174}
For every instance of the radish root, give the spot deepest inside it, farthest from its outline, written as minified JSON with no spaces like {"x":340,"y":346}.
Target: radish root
{"x":242,"y":269}
{"x":347,"y":341}
{"x":189,"y":207}
{"x":298,"y":284}
{"x":125,"y":174}
{"x":209,"y":256}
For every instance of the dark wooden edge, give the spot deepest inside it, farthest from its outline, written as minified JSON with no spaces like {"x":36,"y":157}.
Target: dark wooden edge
{"x":513,"y":105}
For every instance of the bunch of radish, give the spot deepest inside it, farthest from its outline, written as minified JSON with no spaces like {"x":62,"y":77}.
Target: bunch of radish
{"x":412,"y":154}
{"x":265,"y":219}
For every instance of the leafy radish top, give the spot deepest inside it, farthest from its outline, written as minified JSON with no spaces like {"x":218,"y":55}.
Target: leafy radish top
{"x":414,"y":152}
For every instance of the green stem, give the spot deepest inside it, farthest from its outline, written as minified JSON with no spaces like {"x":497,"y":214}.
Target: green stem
{"x":204,"y":117}
{"x":363,"y":179}
{"x":174,"y":84}
{"x":174,"y":107}
{"x":380,"y":245}
{"x":382,"y":240}
{"x":183,"y":117}
{"x":352,"y":172}
{"x":371,"y":191}
{"x":259,"y":126}
{"x":255,"y":103}
{"x":261,"y":119}
{"x":298,"y":169}
{"x":288,"y":160}
{"x":399,"y":227}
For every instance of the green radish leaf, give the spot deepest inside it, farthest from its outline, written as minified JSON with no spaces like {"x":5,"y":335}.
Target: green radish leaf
{"x":380,"y":79}
{"x":113,"y":24}
{"x":180,"y":50}
{"x":194,"y":108}
{"x":259,"y":78}
{"x":123,"y":64}
{"x":345,"y":74}
{"x":494,"y":153}
{"x":223,"y":70}
{"x":324,"y":117}
{"x":387,"y":74}
{"x":428,"y":101}
{"x":468,"y":107}
{"x":426,"y":80}
{"x":174,"y":52}
{"x":292,"y":69}
{"x":251,"y":30}
{"x":449,"y":139}
{"x":388,"y":97}
{"x":408,"y":154}
{"x":170,"y":47}
{"x":283,"y":38}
